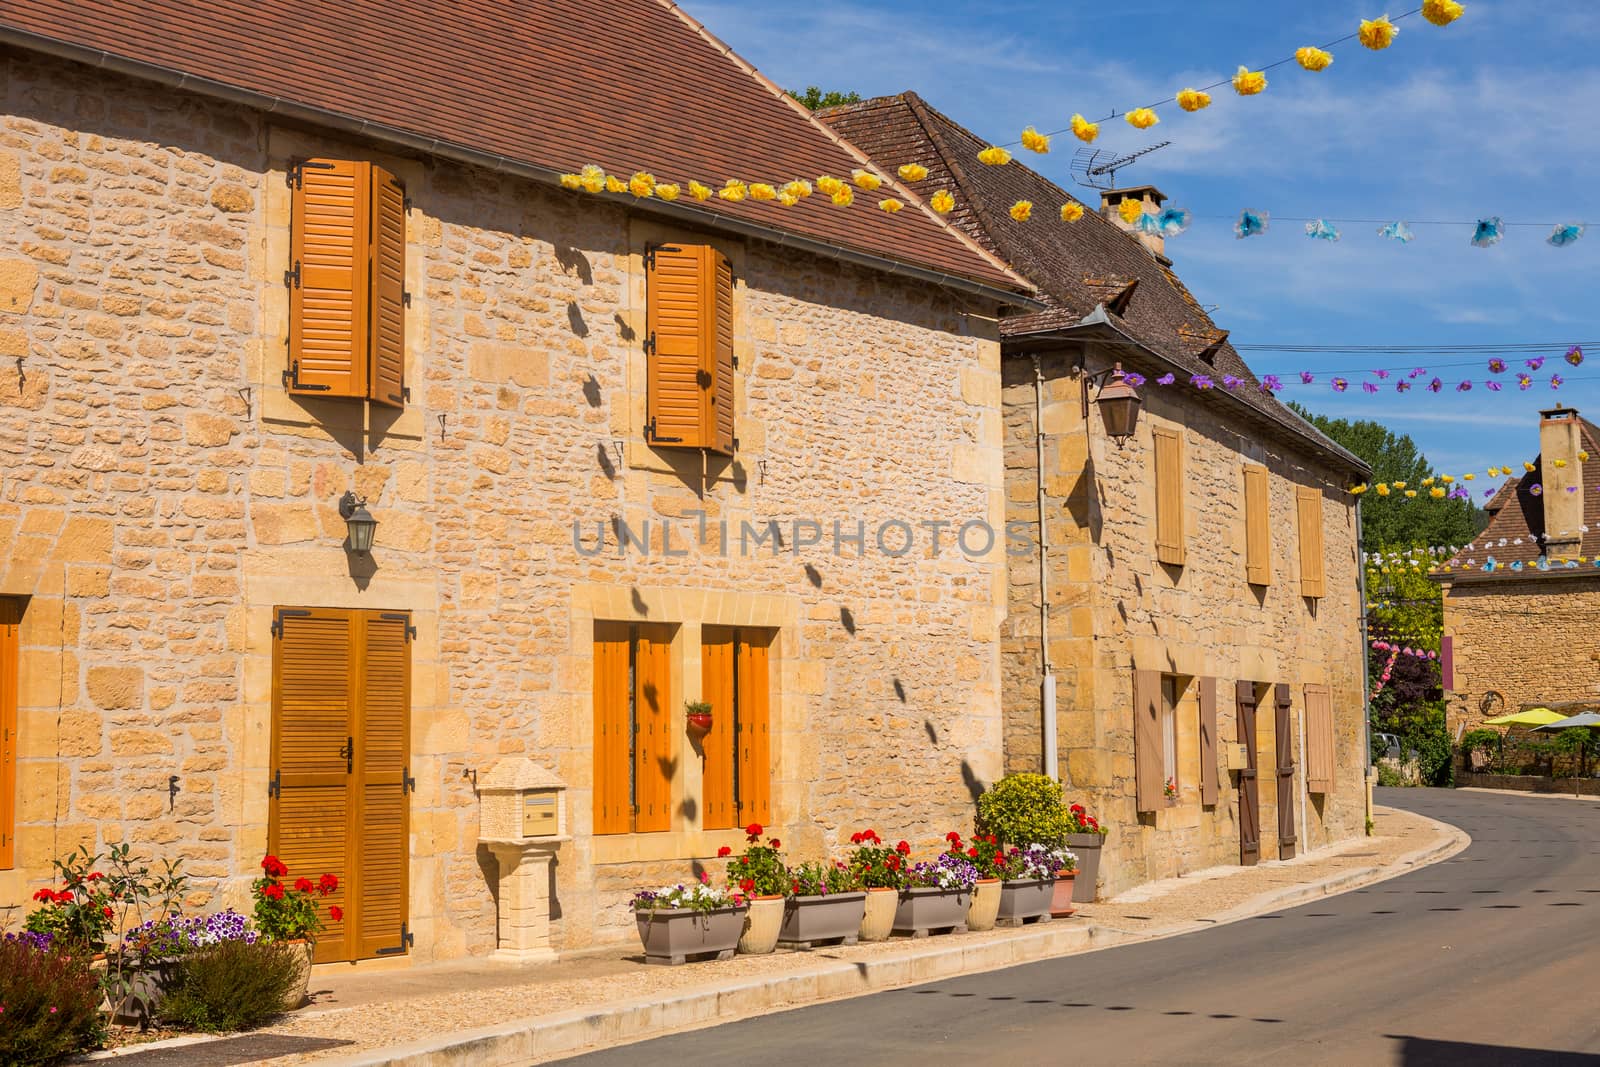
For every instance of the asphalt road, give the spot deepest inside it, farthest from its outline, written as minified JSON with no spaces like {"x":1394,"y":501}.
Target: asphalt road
{"x":1487,"y":958}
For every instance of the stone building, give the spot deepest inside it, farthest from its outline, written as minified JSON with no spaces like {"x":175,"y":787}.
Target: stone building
{"x":1522,"y":601}
{"x":1198,"y":580}
{"x":266,"y":274}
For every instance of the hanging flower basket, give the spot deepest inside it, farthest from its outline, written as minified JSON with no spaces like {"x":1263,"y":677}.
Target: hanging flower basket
{"x":698,"y":716}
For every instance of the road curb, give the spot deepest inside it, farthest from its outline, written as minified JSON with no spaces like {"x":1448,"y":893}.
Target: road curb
{"x":540,"y":1037}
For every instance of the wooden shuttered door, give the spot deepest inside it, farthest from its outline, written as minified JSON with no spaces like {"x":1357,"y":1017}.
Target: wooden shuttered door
{"x":1169,"y":496}
{"x":718,"y":798}
{"x":1319,"y":739}
{"x":347,"y":282}
{"x":613,"y":729}
{"x":10,"y":656}
{"x":1208,"y":742}
{"x":736,"y":682}
{"x":754,"y":736}
{"x":1308,"y":508}
{"x":1257,"y":527}
{"x":1244,"y":696}
{"x":689,"y":347}
{"x":633,"y":748}
{"x":652,"y":701}
{"x":340,"y":747}
{"x":1148,"y":754}
{"x":1283,"y":741}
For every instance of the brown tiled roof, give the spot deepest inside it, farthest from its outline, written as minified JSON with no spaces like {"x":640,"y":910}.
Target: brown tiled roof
{"x":627,"y":84}
{"x":1076,"y":266}
{"x":1518,"y":521}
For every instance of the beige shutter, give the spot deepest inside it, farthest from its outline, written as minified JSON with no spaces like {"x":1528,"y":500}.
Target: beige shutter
{"x":1208,"y":742}
{"x":330,"y":278}
{"x":1309,"y":508}
{"x":387,"y":381}
{"x":1148,"y":757}
{"x":1169,"y":496}
{"x":1319,"y":739}
{"x":1257,"y":528}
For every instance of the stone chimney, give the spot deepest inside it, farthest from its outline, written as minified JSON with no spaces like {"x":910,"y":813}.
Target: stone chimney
{"x":1559,"y":444}
{"x":1152,"y":198}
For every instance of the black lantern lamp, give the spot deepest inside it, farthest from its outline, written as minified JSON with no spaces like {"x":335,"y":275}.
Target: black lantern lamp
{"x":359,"y":521}
{"x":1119,"y":405}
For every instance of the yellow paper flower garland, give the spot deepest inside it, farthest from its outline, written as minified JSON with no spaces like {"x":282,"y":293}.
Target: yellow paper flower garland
{"x":1193,"y":100}
{"x":1142,"y":118}
{"x":1377,"y":34}
{"x":1313,"y":59}
{"x":865,"y":180}
{"x":1034,"y":141}
{"x":1441,"y":12}
{"x":699,"y":192}
{"x":798,"y":189}
{"x":844,"y":196}
{"x":1084,"y":130}
{"x":912,"y":172}
{"x":942,"y":202}
{"x":1130,"y":210}
{"x":1071,"y":212}
{"x":762,"y":191}
{"x":1022,"y":210}
{"x":994,"y":156}
{"x":1249,"y":82}
{"x":642,"y":184}
{"x":828,"y":185}
{"x":572,"y":181}
{"x":891,"y":205}
{"x":734,"y":191}
{"x":667,"y":191}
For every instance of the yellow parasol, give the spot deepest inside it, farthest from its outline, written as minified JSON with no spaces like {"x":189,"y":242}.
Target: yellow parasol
{"x":1531,"y":717}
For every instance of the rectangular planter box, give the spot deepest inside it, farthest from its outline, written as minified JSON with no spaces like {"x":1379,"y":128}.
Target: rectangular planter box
{"x":836,"y":916}
{"x":1025,"y":901}
{"x":923,"y":910}
{"x":672,"y":935}
{"x":1087,"y":848}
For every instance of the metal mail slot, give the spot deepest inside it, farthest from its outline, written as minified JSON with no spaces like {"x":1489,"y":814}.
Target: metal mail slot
{"x":539,"y":815}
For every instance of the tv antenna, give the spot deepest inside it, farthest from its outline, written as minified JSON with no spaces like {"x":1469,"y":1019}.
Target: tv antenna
{"x":1097,"y":167}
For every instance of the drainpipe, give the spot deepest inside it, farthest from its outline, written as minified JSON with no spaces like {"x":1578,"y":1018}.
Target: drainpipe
{"x":1366,"y":667}
{"x":1047,"y":688}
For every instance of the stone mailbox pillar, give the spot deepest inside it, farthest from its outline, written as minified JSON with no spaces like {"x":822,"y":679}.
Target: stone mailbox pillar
{"x":522,"y":819}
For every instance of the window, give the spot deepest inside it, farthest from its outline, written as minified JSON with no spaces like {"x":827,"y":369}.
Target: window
{"x":10,"y":624}
{"x":1309,"y":508}
{"x":1156,"y":698}
{"x":689,"y":347}
{"x":1257,"y":528}
{"x":1319,"y":739}
{"x":1169,"y":496}
{"x":735,"y":681}
{"x":346,"y":282}
{"x":633,"y":751}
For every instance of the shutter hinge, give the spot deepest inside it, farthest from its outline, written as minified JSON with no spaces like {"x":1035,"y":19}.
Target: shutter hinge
{"x":408,"y":784}
{"x":405,"y":297}
{"x":406,"y":941}
{"x":275,"y":784}
{"x":649,"y":257}
{"x":405,"y":393}
{"x":650,"y":343}
{"x":400,"y":616}
{"x":295,"y":176}
{"x":286,"y":613}
{"x":650,"y":434}
{"x":405,"y":202}
{"x":735,"y":362}
{"x":291,"y":278}
{"x":291,"y":380}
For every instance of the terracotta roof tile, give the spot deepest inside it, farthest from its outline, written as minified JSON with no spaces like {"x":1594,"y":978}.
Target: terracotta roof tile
{"x":628,"y":84}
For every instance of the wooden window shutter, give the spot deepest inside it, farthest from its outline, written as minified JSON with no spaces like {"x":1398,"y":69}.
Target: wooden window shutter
{"x":1208,"y":742}
{"x":387,"y":381}
{"x":382,"y":775}
{"x":10,"y":656}
{"x":1309,"y":509}
{"x":1169,"y":496}
{"x":654,"y":758}
{"x":755,"y":722}
{"x":1148,"y":754}
{"x":1257,"y":527}
{"x":689,"y":347}
{"x":613,"y":741}
{"x":1319,"y":739}
{"x":716,"y":689}
{"x":1447,"y":663}
{"x":330,"y":278}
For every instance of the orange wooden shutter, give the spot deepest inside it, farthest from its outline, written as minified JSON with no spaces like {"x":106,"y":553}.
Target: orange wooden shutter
{"x":1319,"y":739}
{"x":613,"y":805}
{"x":387,"y":382}
{"x":311,"y":822}
{"x":689,"y":347}
{"x":330,"y":281}
{"x":755,"y":727}
{"x":1309,"y":507}
{"x":716,"y":689}
{"x":10,"y":654}
{"x":1208,"y":742}
{"x":1148,"y":756}
{"x":652,"y":708}
{"x":1169,"y":496}
{"x":722,"y":353}
{"x":1257,"y":528}
{"x":382,"y":758}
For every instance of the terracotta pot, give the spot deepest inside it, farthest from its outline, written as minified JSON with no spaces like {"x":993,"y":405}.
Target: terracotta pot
{"x":985,"y":906}
{"x":1025,"y":900}
{"x":672,"y":935}
{"x":1062,"y":897}
{"x":829,"y":917}
{"x":878,"y":919}
{"x":761,"y":926}
{"x":1087,"y":848}
{"x":299,"y":995}
{"x":921,"y":911}
{"x":700,"y":724}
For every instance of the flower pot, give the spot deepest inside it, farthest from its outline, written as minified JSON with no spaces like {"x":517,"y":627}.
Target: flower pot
{"x":700,"y":724}
{"x":299,"y":994}
{"x":761,"y":926}
{"x":1087,"y":848}
{"x":672,"y":935}
{"x":832,"y":917}
{"x":919,"y":912}
{"x":1061,"y":896}
{"x":1025,"y":901}
{"x":985,"y":905}
{"x":877,"y":920}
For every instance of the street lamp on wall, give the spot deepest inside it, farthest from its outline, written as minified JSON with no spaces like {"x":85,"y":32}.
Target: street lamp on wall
{"x":1118,"y":402}
{"x":359,"y":522}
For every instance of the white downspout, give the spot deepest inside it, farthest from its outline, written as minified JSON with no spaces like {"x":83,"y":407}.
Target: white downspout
{"x":1047,"y":687}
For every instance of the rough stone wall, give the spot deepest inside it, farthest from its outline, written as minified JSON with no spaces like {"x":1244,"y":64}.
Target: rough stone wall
{"x":1114,"y":609}
{"x":162,"y":494}
{"x":1533,"y":641}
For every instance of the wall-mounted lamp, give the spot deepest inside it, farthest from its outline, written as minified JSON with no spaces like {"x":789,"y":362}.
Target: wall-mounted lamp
{"x":1117,"y":400}
{"x":359,"y":522}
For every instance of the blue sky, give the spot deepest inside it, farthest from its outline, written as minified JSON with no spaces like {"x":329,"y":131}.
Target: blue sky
{"x":1489,"y":116}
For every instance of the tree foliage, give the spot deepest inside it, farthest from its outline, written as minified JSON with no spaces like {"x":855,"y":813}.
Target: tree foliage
{"x":815,"y":99}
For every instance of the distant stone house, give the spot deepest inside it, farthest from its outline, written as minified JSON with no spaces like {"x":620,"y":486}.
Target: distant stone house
{"x":623,"y":454}
{"x":1198,"y":586}
{"x":1522,"y":600}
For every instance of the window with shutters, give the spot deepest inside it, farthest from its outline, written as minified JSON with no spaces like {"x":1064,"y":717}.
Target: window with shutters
{"x":1319,"y":739}
{"x":736,"y":682}
{"x":1170,"y":547}
{"x":346,"y":280}
{"x":10,"y":654}
{"x":1171,"y":693}
{"x":688,"y":348}
{"x":634,"y":755}
{"x":1257,"y":527}
{"x":1309,"y":519}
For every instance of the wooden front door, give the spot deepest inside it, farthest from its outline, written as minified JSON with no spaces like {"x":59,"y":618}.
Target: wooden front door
{"x":339,"y":787}
{"x":1249,"y":783}
{"x":1284,"y":739}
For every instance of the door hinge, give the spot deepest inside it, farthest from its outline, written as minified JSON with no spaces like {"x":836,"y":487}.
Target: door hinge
{"x":275,"y":784}
{"x":291,"y":278}
{"x":406,"y":941}
{"x":287,"y":613}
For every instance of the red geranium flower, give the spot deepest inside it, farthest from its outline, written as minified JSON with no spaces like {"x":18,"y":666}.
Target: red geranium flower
{"x":273,"y":891}
{"x":724,"y":851}
{"x":328,"y":883}
{"x":302,"y":885}
{"x":747,"y":884}
{"x":855,"y":838}
{"x":893,"y":862}
{"x":953,"y":837}
{"x":775,"y":843}
{"x":274,"y":867}
{"x":95,"y":876}
{"x":1077,"y":808}
{"x":106,"y":911}
{"x":903,"y":848}
{"x":335,"y":913}
{"x":64,"y":897}
{"x":753,"y":830}
{"x":973,"y":851}
{"x":46,"y":895}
